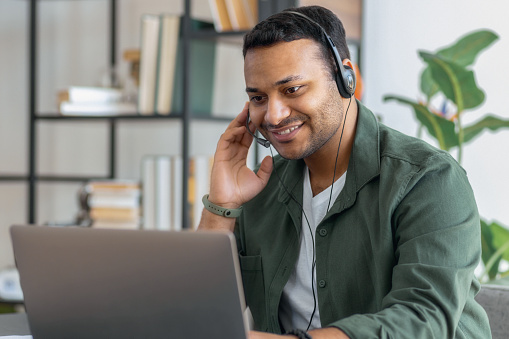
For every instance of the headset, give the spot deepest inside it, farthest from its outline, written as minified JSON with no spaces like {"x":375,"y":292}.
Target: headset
{"x":345,"y":76}
{"x":345,"y":81}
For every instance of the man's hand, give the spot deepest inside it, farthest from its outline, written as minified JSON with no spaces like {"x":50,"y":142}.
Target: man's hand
{"x":322,"y":333}
{"x":232,"y":182}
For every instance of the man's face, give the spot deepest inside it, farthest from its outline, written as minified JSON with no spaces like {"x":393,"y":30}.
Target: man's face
{"x":294,"y":101}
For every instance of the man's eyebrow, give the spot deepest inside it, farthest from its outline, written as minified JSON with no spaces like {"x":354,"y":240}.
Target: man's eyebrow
{"x":277,"y":83}
{"x":288,"y":79}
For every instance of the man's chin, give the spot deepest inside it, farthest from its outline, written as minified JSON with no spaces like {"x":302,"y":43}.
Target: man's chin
{"x":291,"y":155}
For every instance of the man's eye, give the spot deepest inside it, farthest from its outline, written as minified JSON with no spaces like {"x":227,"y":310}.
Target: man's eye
{"x":257,"y":98}
{"x":292,"y":90}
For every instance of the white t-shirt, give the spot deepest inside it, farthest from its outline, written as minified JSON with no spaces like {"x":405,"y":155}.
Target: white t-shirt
{"x":297,"y":302}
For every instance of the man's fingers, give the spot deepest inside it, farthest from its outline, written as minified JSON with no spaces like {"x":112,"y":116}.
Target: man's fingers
{"x":240,"y":120}
{"x":234,"y":134}
{"x":265,"y":170}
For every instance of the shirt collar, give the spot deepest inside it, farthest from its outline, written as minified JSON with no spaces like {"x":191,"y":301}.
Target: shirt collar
{"x":364,"y":164}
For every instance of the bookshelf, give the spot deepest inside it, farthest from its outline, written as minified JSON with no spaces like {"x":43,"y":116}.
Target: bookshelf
{"x":32,"y":177}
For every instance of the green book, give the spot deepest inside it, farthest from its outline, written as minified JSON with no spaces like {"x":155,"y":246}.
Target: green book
{"x":202,"y":59}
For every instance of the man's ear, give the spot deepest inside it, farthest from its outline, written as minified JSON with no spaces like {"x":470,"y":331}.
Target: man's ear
{"x":348,"y":63}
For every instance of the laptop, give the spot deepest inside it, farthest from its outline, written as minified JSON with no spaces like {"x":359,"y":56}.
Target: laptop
{"x":104,"y":283}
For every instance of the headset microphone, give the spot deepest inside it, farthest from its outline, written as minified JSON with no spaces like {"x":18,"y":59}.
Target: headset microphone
{"x":265,"y":143}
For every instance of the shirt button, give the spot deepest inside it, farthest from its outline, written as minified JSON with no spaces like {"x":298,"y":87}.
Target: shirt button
{"x":322,"y":283}
{"x":322,"y":232}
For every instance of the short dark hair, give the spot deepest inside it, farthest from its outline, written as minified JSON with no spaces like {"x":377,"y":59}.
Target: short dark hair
{"x":287,"y":27}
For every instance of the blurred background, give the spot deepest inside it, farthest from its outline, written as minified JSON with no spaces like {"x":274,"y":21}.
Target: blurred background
{"x":73,"y":44}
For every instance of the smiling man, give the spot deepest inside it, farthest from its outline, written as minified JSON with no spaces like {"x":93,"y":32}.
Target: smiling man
{"x":354,"y":230}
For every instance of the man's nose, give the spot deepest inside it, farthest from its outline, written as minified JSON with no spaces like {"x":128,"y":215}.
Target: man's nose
{"x":277,"y":111}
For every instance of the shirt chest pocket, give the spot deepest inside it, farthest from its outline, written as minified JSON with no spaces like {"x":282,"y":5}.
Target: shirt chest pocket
{"x":254,"y":288}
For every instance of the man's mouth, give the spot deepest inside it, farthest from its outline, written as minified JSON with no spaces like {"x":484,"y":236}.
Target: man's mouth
{"x":286,"y":134}
{"x":289,"y":130}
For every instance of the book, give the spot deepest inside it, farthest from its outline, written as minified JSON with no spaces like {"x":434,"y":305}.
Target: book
{"x":94,"y":95}
{"x":252,"y":11}
{"x":133,"y":225}
{"x":148,"y":63}
{"x":202,"y":59}
{"x":220,"y":15}
{"x":176,"y":181}
{"x":158,"y":193}
{"x":114,"y":214}
{"x":163,"y":192}
{"x":113,"y":203}
{"x":166,"y":62}
{"x":127,"y":199}
{"x":97,"y":109}
{"x":113,"y":185}
{"x":148,"y":196}
{"x":238,"y":13}
{"x":202,"y":169}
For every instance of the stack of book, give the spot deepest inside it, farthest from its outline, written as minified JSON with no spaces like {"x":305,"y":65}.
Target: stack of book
{"x":161,"y":62}
{"x":162,"y":190}
{"x":113,"y":204}
{"x":83,"y":100}
{"x":234,"y":15}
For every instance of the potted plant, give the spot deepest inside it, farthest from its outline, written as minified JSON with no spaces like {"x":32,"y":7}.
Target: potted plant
{"x":450,"y":90}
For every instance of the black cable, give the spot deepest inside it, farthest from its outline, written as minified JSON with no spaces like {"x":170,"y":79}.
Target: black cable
{"x":313,"y":265}
{"x":310,"y":232}
{"x":337,"y":155}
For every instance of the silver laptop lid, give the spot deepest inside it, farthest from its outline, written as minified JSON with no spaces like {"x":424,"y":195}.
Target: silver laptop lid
{"x":99,"y":283}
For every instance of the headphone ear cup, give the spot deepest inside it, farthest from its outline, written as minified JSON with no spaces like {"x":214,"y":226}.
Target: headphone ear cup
{"x":349,"y":80}
{"x":345,"y":82}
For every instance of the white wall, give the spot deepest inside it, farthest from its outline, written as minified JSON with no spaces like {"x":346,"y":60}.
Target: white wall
{"x":393,"y":31}
{"x":73,"y":50}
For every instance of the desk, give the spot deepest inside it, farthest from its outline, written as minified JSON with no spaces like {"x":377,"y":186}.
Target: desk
{"x":14,"y":324}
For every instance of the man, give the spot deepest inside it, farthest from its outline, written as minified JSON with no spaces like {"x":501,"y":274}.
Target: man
{"x":355,"y":230}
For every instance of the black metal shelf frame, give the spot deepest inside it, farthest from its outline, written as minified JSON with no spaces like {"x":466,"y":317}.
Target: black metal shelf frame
{"x":265,"y":9}
{"x":32,"y":176}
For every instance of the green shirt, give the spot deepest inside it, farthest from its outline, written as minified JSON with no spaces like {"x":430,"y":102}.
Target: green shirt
{"x":396,"y":253}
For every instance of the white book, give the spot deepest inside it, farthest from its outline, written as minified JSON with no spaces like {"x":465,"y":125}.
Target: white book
{"x":201,"y":185}
{"x":148,"y":193}
{"x":237,"y":12}
{"x":176,"y":180}
{"x":220,"y":15}
{"x":148,"y":63}
{"x":163,"y":192}
{"x":132,"y":225}
{"x":97,"y":109}
{"x":114,"y":199}
{"x":251,"y":7}
{"x":85,"y":94}
{"x":166,"y":63}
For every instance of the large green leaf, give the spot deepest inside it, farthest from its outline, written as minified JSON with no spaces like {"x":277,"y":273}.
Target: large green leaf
{"x":456,"y":82}
{"x":463,"y":53}
{"x":428,"y":86}
{"x":465,"y":50}
{"x":488,"y":249}
{"x":500,"y":238}
{"x":440,"y":128}
{"x":489,"y":122}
